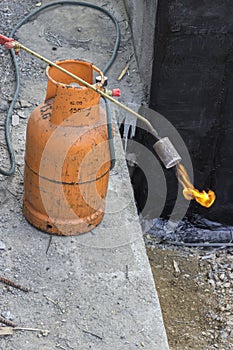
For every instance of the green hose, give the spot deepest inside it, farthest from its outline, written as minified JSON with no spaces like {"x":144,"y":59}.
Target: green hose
{"x":11,"y":152}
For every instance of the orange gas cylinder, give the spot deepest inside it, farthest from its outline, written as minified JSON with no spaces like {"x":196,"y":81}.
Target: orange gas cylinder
{"x":67,"y":159}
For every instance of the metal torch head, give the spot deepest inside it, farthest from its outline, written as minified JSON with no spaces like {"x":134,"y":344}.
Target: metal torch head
{"x":167,"y":152}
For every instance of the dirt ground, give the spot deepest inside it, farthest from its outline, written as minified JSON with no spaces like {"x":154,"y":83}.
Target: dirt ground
{"x":195,"y":289}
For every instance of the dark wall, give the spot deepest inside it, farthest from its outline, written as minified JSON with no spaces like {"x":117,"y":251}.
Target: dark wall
{"x":192,"y":85}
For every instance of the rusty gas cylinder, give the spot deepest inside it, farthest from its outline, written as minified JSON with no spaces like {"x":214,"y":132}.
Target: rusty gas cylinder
{"x":67,"y":158}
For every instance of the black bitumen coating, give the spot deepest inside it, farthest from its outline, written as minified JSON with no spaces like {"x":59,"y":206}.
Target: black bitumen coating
{"x":192,"y":86}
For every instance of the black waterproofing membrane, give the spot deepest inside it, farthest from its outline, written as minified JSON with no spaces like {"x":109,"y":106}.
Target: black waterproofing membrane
{"x":192,"y":85}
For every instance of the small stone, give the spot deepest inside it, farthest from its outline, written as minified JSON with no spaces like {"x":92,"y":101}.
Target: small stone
{"x":15,"y":120}
{"x":44,"y":333}
{"x":17,"y":105}
{"x":216,"y":278}
{"x":222,"y":277}
{"x":227,"y":285}
{"x":224,"y":334}
{"x":8,"y":315}
{"x":21,"y":114}
{"x":4,"y":107}
{"x":2,"y":246}
{"x":25,"y":104}
{"x":212,"y":283}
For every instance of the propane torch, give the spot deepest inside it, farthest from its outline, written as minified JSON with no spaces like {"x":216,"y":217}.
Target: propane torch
{"x":163,"y":147}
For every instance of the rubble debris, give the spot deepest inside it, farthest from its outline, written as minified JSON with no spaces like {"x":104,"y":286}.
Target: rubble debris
{"x":15,"y":120}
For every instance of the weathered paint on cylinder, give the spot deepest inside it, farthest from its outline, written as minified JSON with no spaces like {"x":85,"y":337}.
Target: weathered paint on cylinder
{"x":67,"y":159}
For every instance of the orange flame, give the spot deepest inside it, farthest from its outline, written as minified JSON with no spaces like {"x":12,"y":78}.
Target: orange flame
{"x":189,"y":192}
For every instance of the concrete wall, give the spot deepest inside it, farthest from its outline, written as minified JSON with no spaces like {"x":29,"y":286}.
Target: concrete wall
{"x":142,"y":16}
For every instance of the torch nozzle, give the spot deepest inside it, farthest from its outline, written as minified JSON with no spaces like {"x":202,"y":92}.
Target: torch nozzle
{"x":167,"y":152}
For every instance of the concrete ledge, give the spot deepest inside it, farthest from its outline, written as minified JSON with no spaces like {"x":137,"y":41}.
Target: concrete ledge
{"x":100,"y":283}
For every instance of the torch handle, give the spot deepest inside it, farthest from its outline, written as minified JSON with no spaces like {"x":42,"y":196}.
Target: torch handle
{"x":7,"y":42}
